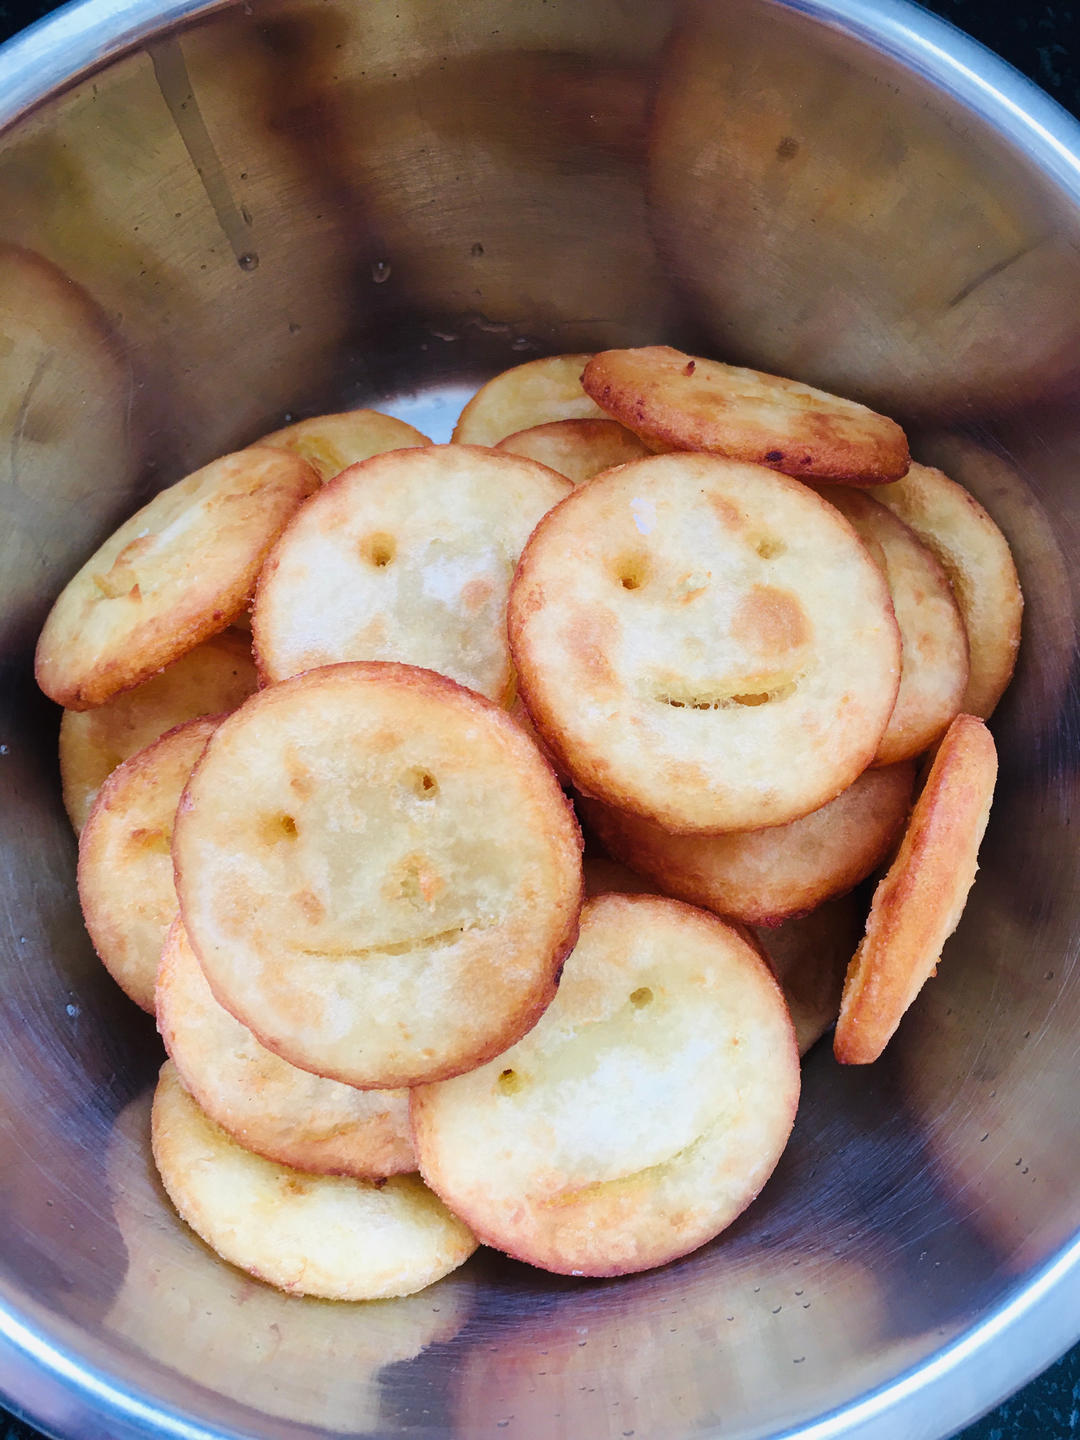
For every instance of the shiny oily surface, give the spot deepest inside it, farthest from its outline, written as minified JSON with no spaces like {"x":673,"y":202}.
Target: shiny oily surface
{"x":916,"y":1253}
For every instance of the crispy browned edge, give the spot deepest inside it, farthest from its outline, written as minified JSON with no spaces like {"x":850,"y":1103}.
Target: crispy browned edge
{"x":947,"y":815}
{"x":165,"y":639}
{"x":588,"y":779}
{"x":1009,"y":649}
{"x":119,"y":778}
{"x":433,"y":1179}
{"x":630,"y":399}
{"x":413,"y":677}
{"x":343,"y":478}
{"x":647,"y":855}
{"x":307,"y":1155}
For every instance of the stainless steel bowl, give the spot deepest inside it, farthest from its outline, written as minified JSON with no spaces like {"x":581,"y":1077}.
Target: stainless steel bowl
{"x":227,"y":213}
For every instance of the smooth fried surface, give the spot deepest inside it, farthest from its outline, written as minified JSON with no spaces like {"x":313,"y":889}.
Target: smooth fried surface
{"x":328,"y":1235}
{"x":408,"y":557}
{"x":976,"y":557}
{"x":672,"y":399}
{"x":641,"y":1115}
{"x":174,"y":574}
{"x":809,"y":956}
{"x":934,"y":668}
{"x":705,"y":643}
{"x":529,"y":394}
{"x":125,"y":871}
{"x":918,"y":904}
{"x":378,"y":873}
{"x":578,"y":449}
{"x":764,"y":876}
{"x":331,"y":443}
{"x":212,"y":679}
{"x":266,"y":1104}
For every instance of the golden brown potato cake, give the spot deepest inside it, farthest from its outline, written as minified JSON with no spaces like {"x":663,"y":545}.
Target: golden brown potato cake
{"x":934,"y":659}
{"x":918,"y":904}
{"x":173,"y":575}
{"x":527,"y":395}
{"x":705,"y":643}
{"x":328,"y":1235}
{"x":809,"y":956}
{"x":125,"y":873}
{"x":672,"y":399}
{"x":378,"y":873}
{"x":266,"y":1104}
{"x":330,"y":443}
{"x":578,"y":449}
{"x":407,"y":557}
{"x":762,"y":877}
{"x":640,"y":1116}
{"x":976,"y":557}
{"x":212,"y":679}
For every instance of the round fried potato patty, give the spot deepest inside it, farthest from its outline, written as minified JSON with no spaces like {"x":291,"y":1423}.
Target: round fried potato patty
{"x":704,"y":643}
{"x":266,"y":1104}
{"x":976,"y":557}
{"x":378,"y":873}
{"x":178,"y":571}
{"x":578,"y":449}
{"x":526,"y":395}
{"x":918,"y":904}
{"x":327,"y":1235}
{"x":125,"y":873}
{"x":672,"y":399}
{"x":407,"y":557}
{"x":762,"y":877}
{"x":640,"y":1116}
{"x":934,"y":668}
{"x":212,"y":679}
{"x":331,"y":443}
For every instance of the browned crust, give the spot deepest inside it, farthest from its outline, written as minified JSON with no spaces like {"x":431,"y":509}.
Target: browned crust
{"x":583,"y":1233}
{"x":103,"y":925}
{"x":918,"y":904}
{"x":141,"y":650}
{"x":718,"y":873}
{"x":427,"y":681}
{"x":642,"y":389}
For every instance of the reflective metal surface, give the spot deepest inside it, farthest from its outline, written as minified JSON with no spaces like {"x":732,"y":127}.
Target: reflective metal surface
{"x":217,"y":216}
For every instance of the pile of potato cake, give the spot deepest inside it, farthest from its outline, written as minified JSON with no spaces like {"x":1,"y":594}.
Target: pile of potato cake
{"x":335,"y":709}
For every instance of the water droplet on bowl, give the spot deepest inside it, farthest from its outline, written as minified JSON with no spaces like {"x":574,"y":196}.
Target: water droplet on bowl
{"x":380,"y":271}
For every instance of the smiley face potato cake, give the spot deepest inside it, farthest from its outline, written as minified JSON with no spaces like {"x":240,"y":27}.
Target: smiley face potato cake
{"x":684,"y":402}
{"x":704,"y":643}
{"x":180,"y":570}
{"x":640,"y":1116}
{"x":408,"y":557}
{"x":378,"y":873}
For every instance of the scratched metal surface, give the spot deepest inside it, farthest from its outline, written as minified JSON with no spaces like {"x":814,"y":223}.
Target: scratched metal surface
{"x":293,"y":205}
